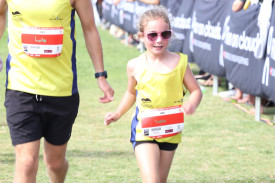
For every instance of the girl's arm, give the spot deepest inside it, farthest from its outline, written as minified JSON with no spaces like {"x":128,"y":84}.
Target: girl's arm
{"x":193,"y":87}
{"x":128,"y":99}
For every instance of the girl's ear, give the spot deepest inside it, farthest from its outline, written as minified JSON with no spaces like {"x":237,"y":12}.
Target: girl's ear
{"x":140,"y":36}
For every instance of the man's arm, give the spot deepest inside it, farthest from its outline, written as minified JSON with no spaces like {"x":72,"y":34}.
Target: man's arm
{"x":3,"y":11}
{"x":85,"y":12}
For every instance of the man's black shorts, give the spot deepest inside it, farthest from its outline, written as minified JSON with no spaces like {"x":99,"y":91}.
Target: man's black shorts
{"x":31,"y":117}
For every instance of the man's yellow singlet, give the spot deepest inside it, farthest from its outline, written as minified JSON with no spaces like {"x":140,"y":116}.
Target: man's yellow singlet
{"x":49,"y":26}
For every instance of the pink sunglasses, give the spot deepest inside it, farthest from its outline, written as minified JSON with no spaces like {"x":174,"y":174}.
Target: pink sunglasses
{"x":154,"y":35}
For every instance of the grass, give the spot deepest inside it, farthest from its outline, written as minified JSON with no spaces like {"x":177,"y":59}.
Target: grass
{"x":220,"y":143}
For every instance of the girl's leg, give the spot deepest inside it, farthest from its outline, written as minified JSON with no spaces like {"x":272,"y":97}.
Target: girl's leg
{"x":166,"y":158}
{"x":148,"y":156}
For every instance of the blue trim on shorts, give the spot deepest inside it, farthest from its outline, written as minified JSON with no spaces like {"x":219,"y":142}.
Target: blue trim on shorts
{"x":133,"y":127}
{"x":8,"y":67}
{"x":73,"y":59}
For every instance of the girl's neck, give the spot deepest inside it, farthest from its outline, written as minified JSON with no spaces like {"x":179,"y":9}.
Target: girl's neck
{"x":154,"y":57}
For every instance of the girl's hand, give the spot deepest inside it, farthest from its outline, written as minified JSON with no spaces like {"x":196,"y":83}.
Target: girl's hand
{"x":188,"y":108}
{"x":110,"y":117}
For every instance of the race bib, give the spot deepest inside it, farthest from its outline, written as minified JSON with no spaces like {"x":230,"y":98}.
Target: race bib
{"x":42,"y":41}
{"x":162,"y":122}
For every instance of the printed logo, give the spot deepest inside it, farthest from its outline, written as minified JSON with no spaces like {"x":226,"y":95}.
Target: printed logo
{"x":272,"y":72}
{"x":56,"y":18}
{"x":146,"y":132}
{"x":266,"y":72}
{"x":155,"y":129}
{"x":48,"y":51}
{"x":146,"y":100}
{"x":16,"y":16}
{"x":206,"y":30}
{"x":25,"y":48}
{"x":16,"y":13}
{"x":239,"y":41}
{"x":40,"y":40}
{"x":169,"y":131}
{"x":179,"y":102}
{"x":160,"y":121}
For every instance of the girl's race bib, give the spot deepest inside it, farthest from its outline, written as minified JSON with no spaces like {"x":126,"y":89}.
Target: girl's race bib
{"x":162,"y":122}
{"x":42,"y":41}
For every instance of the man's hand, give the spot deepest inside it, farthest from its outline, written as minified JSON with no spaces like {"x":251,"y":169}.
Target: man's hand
{"x":106,"y":89}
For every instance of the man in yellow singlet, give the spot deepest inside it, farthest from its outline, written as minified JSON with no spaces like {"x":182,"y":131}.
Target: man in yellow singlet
{"x":41,"y":97}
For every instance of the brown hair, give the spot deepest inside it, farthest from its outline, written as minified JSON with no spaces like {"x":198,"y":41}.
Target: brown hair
{"x":157,"y":12}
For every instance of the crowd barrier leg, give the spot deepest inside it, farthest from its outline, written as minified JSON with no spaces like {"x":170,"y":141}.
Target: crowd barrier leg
{"x":257,"y":108}
{"x":126,"y":38}
{"x":215,"y":85}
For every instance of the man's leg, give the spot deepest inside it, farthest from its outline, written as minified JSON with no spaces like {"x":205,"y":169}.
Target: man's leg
{"x":56,"y":163}
{"x":26,"y":163}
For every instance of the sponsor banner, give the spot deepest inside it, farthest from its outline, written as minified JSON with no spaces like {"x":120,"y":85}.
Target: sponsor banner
{"x":268,"y":73}
{"x":110,"y":12}
{"x":206,"y":34}
{"x":106,"y":10}
{"x":239,"y":41}
{"x":181,"y":21}
{"x":124,"y":14}
{"x":127,"y":16}
{"x":141,"y":7}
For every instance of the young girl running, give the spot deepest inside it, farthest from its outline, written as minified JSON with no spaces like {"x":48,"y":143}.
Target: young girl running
{"x":156,"y":81}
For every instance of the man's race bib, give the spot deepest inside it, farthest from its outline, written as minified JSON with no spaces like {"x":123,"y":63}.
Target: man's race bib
{"x":42,"y":41}
{"x":162,"y":122}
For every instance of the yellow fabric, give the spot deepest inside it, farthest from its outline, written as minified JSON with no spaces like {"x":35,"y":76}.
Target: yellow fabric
{"x":44,"y":76}
{"x":155,"y":90}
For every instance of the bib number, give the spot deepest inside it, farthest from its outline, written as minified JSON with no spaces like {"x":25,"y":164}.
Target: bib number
{"x":162,"y":122}
{"x":42,"y":41}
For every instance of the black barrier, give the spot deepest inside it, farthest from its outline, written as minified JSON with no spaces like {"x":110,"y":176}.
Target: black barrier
{"x":268,"y":76}
{"x":106,"y":10}
{"x":181,"y":22}
{"x":127,"y":17}
{"x":240,"y":38}
{"x":124,"y":14}
{"x":110,"y":12}
{"x":220,"y":41}
{"x":207,"y":27}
